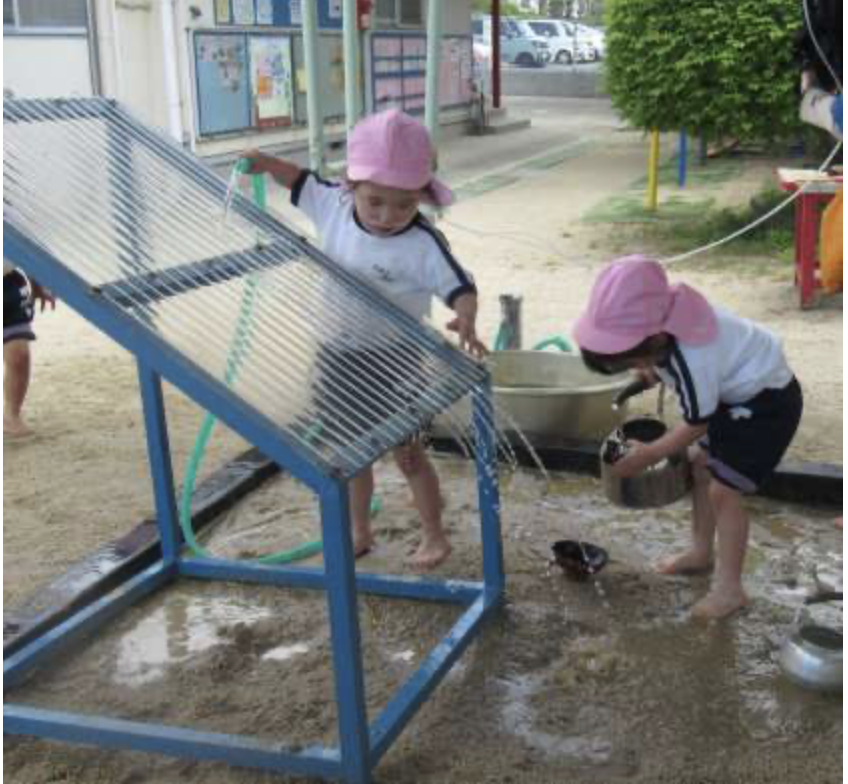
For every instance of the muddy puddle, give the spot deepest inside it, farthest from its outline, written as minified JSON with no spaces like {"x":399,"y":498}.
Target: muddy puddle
{"x":568,"y":683}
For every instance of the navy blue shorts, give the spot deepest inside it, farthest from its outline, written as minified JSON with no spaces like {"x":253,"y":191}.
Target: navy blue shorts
{"x":18,"y":308}
{"x":746,"y":441}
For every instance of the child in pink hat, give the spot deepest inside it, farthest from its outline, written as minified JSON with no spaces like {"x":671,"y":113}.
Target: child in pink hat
{"x":371,"y":225}
{"x":740,"y":402}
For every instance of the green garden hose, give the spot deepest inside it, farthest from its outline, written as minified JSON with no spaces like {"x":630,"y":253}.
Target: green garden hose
{"x":239,"y":346}
{"x":557,"y":341}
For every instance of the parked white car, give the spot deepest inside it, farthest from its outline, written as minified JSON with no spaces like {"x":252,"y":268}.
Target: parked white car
{"x":569,"y":42}
{"x":596,"y":39}
{"x":563,"y":46}
{"x":519,"y":45}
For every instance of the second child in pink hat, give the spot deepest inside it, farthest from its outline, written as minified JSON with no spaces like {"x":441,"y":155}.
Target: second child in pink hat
{"x":371,"y":225}
{"x":740,"y":402}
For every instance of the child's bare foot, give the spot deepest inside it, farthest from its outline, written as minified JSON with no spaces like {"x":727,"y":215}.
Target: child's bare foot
{"x":363,"y":542}
{"x":719,"y":603}
{"x":16,"y":428}
{"x":838,"y":523}
{"x":686,"y":563}
{"x":431,"y":553}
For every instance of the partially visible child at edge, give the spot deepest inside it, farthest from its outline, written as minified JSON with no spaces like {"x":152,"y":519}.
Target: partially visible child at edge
{"x":19,"y":297}
{"x":371,"y":225}
{"x":740,"y":402}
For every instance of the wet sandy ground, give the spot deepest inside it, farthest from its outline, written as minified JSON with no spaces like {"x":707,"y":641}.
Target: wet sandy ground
{"x":568,"y":683}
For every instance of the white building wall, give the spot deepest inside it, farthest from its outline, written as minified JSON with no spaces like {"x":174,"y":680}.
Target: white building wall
{"x":46,"y":66}
{"x":130,"y":54}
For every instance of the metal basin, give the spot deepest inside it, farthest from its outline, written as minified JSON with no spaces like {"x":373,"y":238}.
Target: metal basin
{"x":554,"y":394}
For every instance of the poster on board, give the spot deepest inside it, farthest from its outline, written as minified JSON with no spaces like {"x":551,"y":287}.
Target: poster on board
{"x":243,"y":12}
{"x":264,"y":12}
{"x":271,"y":80}
{"x":223,"y":15}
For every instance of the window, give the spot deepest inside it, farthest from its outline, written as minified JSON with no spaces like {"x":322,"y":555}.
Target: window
{"x":544,"y":28}
{"x":45,"y":13}
{"x":400,"y":12}
{"x":410,"y":12}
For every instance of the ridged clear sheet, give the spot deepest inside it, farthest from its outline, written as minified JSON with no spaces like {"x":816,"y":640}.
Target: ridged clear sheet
{"x":245,"y":299}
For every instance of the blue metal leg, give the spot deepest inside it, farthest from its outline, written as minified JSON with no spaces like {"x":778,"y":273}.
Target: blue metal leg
{"x":487,"y":491}
{"x":344,"y":630}
{"x":159,"y":456}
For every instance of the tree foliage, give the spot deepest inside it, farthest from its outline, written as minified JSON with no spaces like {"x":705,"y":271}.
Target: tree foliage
{"x":718,"y":67}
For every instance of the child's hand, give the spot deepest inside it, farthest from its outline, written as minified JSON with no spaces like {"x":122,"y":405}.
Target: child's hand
{"x":468,"y":340}
{"x":284,"y":172}
{"x":258,"y":162}
{"x":465,"y":307}
{"x":43,"y":295}
{"x":647,"y":376}
{"x":635,"y":460}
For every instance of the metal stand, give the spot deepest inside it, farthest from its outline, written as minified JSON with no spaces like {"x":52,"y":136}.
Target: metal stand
{"x":361,"y":745}
{"x":125,"y":310}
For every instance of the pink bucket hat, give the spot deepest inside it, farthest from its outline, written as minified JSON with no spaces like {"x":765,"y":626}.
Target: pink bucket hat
{"x":393,"y":149}
{"x":632,"y":300}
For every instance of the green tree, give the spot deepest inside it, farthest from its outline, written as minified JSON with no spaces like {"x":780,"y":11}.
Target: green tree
{"x":719,"y":67}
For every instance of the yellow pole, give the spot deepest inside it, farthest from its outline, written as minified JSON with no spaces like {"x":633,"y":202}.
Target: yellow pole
{"x":653,"y":171}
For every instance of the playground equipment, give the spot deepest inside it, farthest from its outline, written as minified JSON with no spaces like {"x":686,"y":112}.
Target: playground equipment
{"x":128,"y":230}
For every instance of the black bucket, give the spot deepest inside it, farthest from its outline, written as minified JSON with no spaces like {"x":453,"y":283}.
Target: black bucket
{"x":579,"y":560}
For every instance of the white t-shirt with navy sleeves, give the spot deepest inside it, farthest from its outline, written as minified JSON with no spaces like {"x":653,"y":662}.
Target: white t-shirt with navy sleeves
{"x":408,"y":268}
{"x":743,"y":360}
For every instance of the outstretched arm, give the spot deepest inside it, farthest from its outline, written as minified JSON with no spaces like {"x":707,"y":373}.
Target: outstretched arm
{"x":284,"y":172}
{"x":639,"y":455}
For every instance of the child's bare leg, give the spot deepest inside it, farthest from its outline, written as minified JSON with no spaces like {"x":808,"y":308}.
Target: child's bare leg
{"x":727,"y":594}
{"x":16,"y":373}
{"x":427,"y":496}
{"x":361,"y":491}
{"x":699,"y":557}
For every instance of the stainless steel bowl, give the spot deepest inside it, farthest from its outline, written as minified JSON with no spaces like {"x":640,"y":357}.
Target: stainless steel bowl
{"x":812,"y":658}
{"x":659,"y":485}
{"x":812,"y":655}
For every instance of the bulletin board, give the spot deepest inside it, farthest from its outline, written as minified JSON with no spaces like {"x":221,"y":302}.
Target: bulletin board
{"x":271,"y":80}
{"x":399,"y":70}
{"x":331,"y":79}
{"x":244,"y":81}
{"x":223,"y":83}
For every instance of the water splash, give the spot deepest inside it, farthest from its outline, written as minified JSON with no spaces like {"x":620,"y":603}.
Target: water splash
{"x":232,"y":189}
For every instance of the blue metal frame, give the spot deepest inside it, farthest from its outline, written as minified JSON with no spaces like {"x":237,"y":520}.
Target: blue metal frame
{"x":361,"y":745}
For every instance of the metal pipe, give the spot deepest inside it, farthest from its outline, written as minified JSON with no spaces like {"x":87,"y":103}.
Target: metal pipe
{"x":351,"y":61}
{"x":169,"y":64}
{"x":434,"y":57}
{"x":652,"y":196}
{"x":510,"y":330}
{"x":93,"y":37}
{"x":496,"y":54}
{"x":314,"y":112}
